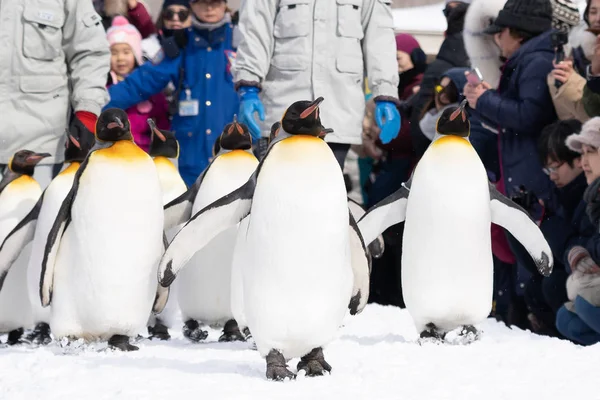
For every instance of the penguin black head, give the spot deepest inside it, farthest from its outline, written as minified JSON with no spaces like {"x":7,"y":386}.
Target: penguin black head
{"x":78,"y":145}
{"x":113,"y":126}
{"x":454,"y":121}
{"x":24,"y":161}
{"x":163,"y":143}
{"x":235,"y":136}
{"x":274,"y":131}
{"x":302,"y":118}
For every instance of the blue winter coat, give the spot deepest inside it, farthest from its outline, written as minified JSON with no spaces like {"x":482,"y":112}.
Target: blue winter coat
{"x":521,"y":107}
{"x":206,"y":64}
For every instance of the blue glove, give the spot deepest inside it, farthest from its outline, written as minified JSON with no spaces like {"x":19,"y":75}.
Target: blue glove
{"x":249,"y":104}
{"x":388,"y":119}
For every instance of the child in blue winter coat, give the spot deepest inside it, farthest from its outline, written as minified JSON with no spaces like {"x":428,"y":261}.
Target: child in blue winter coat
{"x":199,"y":67}
{"x":579,"y":318}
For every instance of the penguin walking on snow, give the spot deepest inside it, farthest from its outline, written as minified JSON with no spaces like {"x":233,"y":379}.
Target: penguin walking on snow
{"x":100,"y":262}
{"x":298,"y":280}
{"x":35,"y":228}
{"x":449,"y":206}
{"x":163,"y":148}
{"x":19,"y":193}
{"x":205,"y":286}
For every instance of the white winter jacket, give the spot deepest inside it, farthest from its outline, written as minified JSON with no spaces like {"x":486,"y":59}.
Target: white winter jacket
{"x":302,"y":49}
{"x":53,"y":55}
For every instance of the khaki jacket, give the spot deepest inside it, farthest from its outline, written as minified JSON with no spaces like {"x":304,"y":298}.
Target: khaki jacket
{"x":567,"y":99}
{"x":54,"y":59}
{"x":303,"y":49}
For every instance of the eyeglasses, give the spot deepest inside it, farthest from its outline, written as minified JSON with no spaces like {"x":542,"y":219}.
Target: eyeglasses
{"x":552,"y":170}
{"x":182,"y":15}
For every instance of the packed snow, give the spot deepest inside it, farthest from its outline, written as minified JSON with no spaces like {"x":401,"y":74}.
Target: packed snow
{"x":375,"y":357}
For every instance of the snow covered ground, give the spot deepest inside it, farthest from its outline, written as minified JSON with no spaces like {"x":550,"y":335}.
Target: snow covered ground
{"x":375,"y":357}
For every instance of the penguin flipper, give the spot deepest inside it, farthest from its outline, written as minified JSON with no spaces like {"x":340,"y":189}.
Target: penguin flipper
{"x":203,"y":227}
{"x":54,"y":237}
{"x":361,"y":269}
{"x":377,"y":247}
{"x":179,"y":210}
{"x":389,"y":211}
{"x":517,"y":221}
{"x":17,"y":239}
{"x":162,"y":293}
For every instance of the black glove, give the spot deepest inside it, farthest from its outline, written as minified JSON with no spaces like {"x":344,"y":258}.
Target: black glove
{"x":82,"y":135}
{"x":456,"y":17}
{"x":592,"y":197}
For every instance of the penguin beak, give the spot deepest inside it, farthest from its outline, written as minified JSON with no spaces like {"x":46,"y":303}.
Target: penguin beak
{"x":312,"y":107}
{"x":116,"y":124}
{"x":36,"y":157}
{"x":459,"y":111}
{"x":325,"y":131}
{"x":155,"y":130}
{"x":75,"y":142}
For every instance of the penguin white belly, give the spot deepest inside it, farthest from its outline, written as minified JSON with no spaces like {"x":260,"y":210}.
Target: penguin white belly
{"x":114,"y":245}
{"x":204,"y":290}
{"x":16,"y":201}
{"x":53,"y":198}
{"x":298,"y":280}
{"x":15,"y":305}
{"x":237,"y":283}
{"x":447,"y":271}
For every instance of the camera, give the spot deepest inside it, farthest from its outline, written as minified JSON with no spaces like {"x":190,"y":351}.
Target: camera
{"x":559,"y":39}
{"x":524,"y":197}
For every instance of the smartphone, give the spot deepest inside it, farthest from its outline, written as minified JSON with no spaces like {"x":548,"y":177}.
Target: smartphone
{"x":474,"y":77}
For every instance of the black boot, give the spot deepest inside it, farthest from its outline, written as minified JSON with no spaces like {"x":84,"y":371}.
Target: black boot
{"x":314,"y":363}
{"x":231,"y":332}
{"x":40,"y":335}
{"x":14,"y":337}
{"x":192,"y":331}
{"x":159,"y":331}
{"x":121,"y":342}
{"x":277,"y":368}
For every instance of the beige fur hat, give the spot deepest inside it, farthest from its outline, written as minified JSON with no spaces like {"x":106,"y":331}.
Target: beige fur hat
{"x":589,"y":135}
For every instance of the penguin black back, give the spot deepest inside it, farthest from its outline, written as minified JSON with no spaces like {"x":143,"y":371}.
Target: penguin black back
{"x":302,"y":118}
{"x":23,"y":162}
{"x":235,"y":136}
{"x":454,"y":121}
{"x":113,"y":125}
{"x":163,"y":142}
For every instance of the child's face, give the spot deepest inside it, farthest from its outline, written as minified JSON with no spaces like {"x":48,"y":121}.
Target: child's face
{"x":209,"y":11}
{"x":590,"y":161}
{"x":561,"y":173}
{"x":122,"y":60}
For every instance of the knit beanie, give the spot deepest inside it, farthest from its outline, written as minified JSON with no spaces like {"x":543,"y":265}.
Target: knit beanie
{"x":531,"y":16}
{"x":169,"y":3}
{"x":122,"y":31}
{"x":565,"y":15}
{"x":406,"y":43}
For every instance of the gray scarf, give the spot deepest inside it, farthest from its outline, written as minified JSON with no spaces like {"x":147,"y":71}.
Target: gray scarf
{"x":196,"y":23}
{"x":429,"y":121}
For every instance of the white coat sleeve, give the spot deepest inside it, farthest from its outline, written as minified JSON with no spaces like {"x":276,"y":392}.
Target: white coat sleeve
{"x":379,"y":48}
{"x":256,"y":25}
{"x":87,"y":56}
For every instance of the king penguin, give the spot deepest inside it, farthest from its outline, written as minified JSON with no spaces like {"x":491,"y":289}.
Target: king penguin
{"x":205,"y":287}
{"x":449,"y":206}
{"x":19,"y":192}
{"x":298,"y":281}
{"x":36,"y":226}
{"x":164,"y":147}
{"x":100,"y":261}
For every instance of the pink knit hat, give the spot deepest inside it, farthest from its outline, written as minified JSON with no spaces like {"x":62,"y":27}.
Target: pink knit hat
{"x":122,"y":31}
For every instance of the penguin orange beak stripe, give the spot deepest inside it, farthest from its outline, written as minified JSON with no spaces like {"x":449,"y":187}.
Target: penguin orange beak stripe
{"x":155,"y":130}
{"x":75,"y":142}
{"x":37,"y":157}
{"x":115,"y":124}
{"x":313,"y":106}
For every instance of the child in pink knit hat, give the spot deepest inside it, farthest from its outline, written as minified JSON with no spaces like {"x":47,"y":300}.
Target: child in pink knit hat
{"x":126,"y":54}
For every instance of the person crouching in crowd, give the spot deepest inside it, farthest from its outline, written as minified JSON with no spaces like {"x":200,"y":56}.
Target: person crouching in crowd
{"x":200,"y":68}
{"x":564,"y":228}
{"x":126,"y":55}
{"x":579,"y":318}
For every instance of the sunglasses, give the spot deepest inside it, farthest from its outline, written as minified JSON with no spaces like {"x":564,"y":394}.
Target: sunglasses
{"x":182,"y":15}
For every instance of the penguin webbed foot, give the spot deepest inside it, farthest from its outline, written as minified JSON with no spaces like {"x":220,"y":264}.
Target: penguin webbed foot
{"x":159,"y":331}
{"x":277,"y":368}
{"x":314,"y":363}
{"x":14,"y":337}
{"x":121,"y":342}
{"x":40,"y":335}
{"x":431,"y":335}
{"x":467,"y":334}
{"x":192,"y":331}
{"x":231,"y":332}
